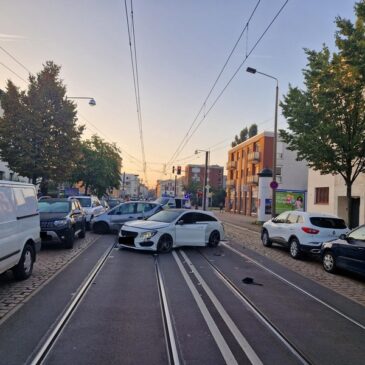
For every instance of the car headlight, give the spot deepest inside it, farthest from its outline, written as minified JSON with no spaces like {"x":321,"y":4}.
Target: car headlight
{"x":148,"y":235}
{"x":61,"y":222}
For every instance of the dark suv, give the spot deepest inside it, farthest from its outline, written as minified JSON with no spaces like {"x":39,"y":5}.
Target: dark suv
{"x":62,"y":219}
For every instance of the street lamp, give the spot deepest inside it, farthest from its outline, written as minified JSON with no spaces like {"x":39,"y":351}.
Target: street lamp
{"x":92,"y":101}
{"x":205,"y":177}
{"x":274,"y":184}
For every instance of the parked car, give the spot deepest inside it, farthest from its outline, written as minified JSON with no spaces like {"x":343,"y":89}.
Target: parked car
{"x":347,"y":252}
{"x":172,"y":228}
{"x":62,"y":219}
{"x":91,"y":205}
{"x":116,"y":217}
{"x":302,"y":231}
{"x":19,"y":227}
{"x":169,"y":202}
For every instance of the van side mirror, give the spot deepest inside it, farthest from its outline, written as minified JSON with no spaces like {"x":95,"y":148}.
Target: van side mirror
{"x":343,"y":237}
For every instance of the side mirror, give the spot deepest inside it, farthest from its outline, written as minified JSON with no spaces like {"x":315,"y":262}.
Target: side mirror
{"x":343,"y":237}
{"x":180,"y":222}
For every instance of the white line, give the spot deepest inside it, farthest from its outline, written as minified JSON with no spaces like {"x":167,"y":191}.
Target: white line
{"x":220,"y":341}
{"x":168,"y":319}
{"x":296,"y":287}
{"x":245,"y":346}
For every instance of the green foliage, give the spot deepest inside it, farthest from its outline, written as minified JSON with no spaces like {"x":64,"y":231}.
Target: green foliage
{"x":244,"y":134}
{"x":193,"y":188}
{"x":218,"y":196}
{"x":99,"y":166}
{"x":39,"y":137}
{"x":326,"y":121}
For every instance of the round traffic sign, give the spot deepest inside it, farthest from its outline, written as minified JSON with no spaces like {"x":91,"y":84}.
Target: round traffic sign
{"x":274,"y":185}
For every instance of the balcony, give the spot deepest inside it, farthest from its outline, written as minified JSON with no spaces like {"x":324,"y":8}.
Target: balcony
{"x":253,"y":157}
{"x":231,"y":165}
{"x":253,"y":179}
{"x":230,"y":184}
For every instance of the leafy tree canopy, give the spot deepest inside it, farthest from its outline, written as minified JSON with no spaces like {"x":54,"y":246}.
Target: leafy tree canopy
{"x":326,"y":124}
{"x":39,"y":137}
{"x":99,"y":166}
{"x":245,"y":134}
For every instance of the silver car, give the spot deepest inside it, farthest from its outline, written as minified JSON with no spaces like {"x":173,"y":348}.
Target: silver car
{"x":113,"y":219}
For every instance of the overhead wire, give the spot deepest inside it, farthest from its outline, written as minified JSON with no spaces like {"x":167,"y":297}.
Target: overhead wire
{"x":215,"y":82}
{"x":134,"y":64}
{"x":13,"y":72}
{"x":15,"y":59}
{"x":230,"y":80}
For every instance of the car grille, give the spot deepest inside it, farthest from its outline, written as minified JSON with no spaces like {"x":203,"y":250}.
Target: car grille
{"x":128,"y":234}
{"x":45,"y":224}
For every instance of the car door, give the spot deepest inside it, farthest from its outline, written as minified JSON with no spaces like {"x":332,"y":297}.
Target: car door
{"x":76,"y":214}
{"x":276,"y":227}
{"x":188,"y":232}
{"x":352,"y":255}
{"x":125,"y":212}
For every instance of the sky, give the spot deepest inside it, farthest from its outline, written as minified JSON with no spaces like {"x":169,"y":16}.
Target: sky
{"x":181,"y":47}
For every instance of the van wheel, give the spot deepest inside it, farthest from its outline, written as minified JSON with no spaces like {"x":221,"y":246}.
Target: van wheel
{"x":294,"y":248}
{"x":69,"y":242}
{"x":24,"y":268}
{"x":100,"y":228}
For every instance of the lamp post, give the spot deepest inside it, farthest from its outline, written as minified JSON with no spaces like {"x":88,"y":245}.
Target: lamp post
{"x":92,"y":101}
{"x":205,"y":177}
{"x":274,"y":183}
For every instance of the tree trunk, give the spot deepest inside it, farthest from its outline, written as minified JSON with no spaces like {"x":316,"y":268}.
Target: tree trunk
{"x":349,"y":204}
{"x":34,"y":180}
{"x":86,"y":188}
{"x":44,"y":186}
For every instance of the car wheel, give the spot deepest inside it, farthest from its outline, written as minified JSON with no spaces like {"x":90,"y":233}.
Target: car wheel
{"x":294,"y":248}
{"x":214,"y":239}
{"x":82,"y":234}
{"x":164,"y":244}
{"x":329,"y":262}
{"x":24,"y":268}
{"x":266,"y":239}
{"x":69,"y":242}
{"x":100,"y":228}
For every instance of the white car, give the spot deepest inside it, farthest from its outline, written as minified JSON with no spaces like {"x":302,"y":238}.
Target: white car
{"x":91,"y":206}
{"x":302,"y":231}
{"x":172,"y":228}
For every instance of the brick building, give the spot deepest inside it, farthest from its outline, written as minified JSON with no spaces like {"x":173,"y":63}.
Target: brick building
{"x":196,"y":173}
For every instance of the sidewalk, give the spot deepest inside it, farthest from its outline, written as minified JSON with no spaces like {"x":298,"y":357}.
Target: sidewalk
{"x":239,"y":220}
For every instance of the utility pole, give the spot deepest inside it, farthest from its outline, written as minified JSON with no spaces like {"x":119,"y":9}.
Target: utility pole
{"x":205,"y":181}
{"x":175,"y":186}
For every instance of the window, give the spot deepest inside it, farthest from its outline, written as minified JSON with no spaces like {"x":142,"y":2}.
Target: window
{"x":189,"y":218}
{"x":127,"y":209}
{"x":281,"y":218}
{"x":326,"y":222}
{"x":278,"y":170}
{"x":201,"y":217}
{"x":321,"y":195}
{"x":2,"y":173}
{"x":292,"y":218}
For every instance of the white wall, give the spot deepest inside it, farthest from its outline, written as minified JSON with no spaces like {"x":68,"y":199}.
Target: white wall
{"x":7,"y":173}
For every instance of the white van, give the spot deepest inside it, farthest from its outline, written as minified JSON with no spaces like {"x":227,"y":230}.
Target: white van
{"x":19,"y":228}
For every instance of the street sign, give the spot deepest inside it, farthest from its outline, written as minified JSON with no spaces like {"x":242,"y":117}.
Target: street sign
{"x":274,"y":185}
{"x":207,"y":187}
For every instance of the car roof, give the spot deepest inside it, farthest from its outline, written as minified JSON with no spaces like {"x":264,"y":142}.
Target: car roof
{"x":55,"y":200}
{"x":312,"y":214}
{"x":191,"y":211}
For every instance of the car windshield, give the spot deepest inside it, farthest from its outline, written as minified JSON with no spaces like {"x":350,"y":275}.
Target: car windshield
{"x":46,"y":206}
{"x":85,"y":202}
{"x":162,"y":200}
{"x":166,"y":216}
{"x":328,"y":222}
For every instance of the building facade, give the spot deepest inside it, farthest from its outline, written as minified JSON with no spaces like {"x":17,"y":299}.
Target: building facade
{"x":167,"y":187}
{"x":247,"y":159}
{"x":196,"y":173}
{"x":327,"y":194}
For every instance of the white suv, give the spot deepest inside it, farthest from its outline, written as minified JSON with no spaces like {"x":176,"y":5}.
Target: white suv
{"x":302,"y":231}
{"x":91,"y":206}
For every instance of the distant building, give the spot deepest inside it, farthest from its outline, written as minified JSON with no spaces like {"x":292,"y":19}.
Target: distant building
{"x":196,"y":173}
{"x":167,"y":187}
{"x":247,"y":159}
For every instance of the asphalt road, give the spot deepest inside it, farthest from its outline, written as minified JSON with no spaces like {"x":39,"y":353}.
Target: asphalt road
{"x":191,"y":307}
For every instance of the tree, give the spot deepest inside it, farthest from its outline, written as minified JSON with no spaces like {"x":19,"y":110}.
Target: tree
{"x":326,"y":124}
{"x":193,"y":188}
{"x":39,"y":137}
{"x":218,"y":196}
{"x":99,"y":166}
{"x":244,"y":134}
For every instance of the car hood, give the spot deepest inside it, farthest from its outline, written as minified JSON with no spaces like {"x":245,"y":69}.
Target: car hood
{"x":52,"y":216}
{"x":146,"y":224}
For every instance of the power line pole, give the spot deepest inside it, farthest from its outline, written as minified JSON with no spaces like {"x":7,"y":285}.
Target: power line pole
{"x":205,"y":181}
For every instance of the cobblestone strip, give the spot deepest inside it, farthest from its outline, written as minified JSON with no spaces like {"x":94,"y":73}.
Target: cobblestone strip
{"x":347,"y":286}
{"x":50,"y":260}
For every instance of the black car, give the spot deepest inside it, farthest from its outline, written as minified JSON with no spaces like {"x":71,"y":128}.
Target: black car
{"x":62,"y":219}
{"x":347,"y":252}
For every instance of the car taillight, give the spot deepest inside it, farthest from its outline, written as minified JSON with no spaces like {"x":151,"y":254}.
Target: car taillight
{"x":310,"y":230}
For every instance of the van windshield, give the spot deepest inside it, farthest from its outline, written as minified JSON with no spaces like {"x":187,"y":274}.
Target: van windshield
{"x":53,"y":206}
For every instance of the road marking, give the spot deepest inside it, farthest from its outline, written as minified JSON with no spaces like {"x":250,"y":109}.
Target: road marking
{"x":295,"y":286}
{"x":218,"y":338}
{"x":245,"y":346}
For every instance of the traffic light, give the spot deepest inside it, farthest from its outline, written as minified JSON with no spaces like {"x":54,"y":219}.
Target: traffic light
{"x":179,"y":170}
{"x":173,"y":169}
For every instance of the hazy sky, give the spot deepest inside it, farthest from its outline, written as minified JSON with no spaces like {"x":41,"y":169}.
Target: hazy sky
{"x":181,"y":47}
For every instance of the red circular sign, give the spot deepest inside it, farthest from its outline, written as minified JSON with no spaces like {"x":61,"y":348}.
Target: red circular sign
{"x":274,"y":185}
